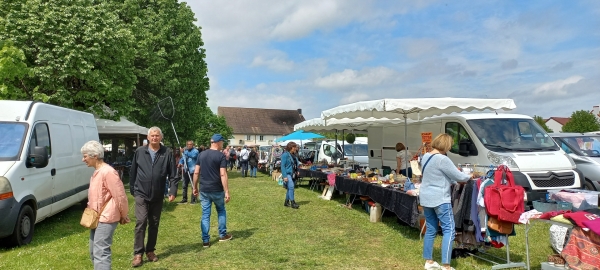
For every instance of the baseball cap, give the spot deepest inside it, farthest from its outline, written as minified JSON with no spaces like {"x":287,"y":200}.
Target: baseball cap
{"x":217,"y":138}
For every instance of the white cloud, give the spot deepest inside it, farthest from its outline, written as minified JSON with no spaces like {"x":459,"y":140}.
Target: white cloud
{"x":353,"y":78}
{"x":558,"y":87}
{"x":355,"y":97}
{"x":420,"y":47}
{"x":275,"y":60}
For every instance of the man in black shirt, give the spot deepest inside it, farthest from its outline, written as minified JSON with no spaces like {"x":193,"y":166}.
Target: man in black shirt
{"x":211,"y":166}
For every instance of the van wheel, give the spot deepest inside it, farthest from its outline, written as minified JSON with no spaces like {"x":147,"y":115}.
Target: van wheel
{"x":23,"y":232}
{"x":588,"y":185}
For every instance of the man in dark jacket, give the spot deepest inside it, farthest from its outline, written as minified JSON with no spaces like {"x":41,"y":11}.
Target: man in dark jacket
{"x":151,"y":165}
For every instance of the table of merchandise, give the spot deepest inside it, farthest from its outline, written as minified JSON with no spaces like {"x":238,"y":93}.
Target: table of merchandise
{"x":397,"y":201}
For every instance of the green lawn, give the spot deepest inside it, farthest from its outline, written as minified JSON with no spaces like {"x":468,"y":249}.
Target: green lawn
{"x":320,"y":235}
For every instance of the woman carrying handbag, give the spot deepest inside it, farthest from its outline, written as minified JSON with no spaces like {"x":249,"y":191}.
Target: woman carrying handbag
{"x":107,"y":199}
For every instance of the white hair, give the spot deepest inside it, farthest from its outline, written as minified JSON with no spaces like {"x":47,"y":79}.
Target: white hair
{"x":93,"y":149}
{"x":155,"y":128}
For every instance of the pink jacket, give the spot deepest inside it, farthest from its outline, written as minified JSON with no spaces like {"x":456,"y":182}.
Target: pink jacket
{"x":105,"y":185}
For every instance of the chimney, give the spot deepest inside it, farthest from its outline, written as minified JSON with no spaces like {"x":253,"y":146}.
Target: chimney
{"x":300,"y":111}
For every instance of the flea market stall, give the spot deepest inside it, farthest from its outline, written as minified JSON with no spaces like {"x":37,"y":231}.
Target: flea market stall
{"x":493,"y":229}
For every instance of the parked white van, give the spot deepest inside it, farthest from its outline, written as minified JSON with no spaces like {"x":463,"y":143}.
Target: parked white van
{"x":41,"y":172}
{"x":484,"y":139}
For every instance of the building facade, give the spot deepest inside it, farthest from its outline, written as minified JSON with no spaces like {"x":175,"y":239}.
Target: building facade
{"x":256,"y":126}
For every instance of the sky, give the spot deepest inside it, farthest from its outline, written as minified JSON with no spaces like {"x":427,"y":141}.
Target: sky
{"x":318,"y":54}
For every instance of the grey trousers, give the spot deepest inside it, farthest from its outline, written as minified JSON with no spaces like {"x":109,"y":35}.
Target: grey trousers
{"x":147,"y":214}
{"x":101,"y":239}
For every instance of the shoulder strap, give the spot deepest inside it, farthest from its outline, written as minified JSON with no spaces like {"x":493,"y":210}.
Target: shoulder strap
{"x":423,"y":169}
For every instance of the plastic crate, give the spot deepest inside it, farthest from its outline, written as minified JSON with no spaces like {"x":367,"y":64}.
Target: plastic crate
{"x":552,"y":206}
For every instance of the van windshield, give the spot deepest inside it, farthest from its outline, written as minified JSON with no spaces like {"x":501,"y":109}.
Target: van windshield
{"x":512,"y":134}
{"x":11,"y":140}
{"x":356,"y":149}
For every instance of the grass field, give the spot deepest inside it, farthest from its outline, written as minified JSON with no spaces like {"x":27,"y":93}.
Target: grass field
{"x":320,"y":235}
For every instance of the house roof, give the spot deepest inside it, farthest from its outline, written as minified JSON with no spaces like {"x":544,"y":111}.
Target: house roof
{"x":560,"y":120}
{"x":261,"y":121}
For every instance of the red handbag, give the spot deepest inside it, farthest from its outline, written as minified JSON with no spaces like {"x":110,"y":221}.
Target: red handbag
{"x":505,"y":201}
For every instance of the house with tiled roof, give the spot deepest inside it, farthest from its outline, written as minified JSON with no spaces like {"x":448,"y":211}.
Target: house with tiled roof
{"x":556,"y":123}
{"x":256,"y":126}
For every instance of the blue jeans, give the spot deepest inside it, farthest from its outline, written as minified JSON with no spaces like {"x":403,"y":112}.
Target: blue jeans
{"x":289,"y":194}
{"x":244,"y":165}
{"x":206,"y":200}
{"x":443,"y":215}
{"x":101,"y":239}
{"x":252,"y":171}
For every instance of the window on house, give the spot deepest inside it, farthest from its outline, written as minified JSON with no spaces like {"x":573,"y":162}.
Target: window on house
{"x":261,"y":138}
{"x":248,"y":137}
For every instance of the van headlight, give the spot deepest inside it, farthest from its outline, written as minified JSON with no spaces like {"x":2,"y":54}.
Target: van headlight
{"x":498,"y":160}
{"x":6,"y":191}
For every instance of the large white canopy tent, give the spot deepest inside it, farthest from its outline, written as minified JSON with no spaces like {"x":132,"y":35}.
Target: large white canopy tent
{"x":414,"y":109}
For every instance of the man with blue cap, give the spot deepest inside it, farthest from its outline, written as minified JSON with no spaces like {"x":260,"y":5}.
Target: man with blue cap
{"x":211,"y":166}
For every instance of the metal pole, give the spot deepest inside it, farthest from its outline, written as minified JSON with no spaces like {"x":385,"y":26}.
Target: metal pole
{"x":406,"y":150}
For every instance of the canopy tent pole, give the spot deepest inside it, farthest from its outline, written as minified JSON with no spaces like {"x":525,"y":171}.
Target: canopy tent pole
{"x":406,"y":144}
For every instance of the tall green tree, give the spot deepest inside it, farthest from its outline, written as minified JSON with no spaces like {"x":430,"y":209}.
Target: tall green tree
{"x":169,"y":62}
{"x":582,"y":121}
{"x":79,"y":52}
{"x":209,"y":124}
{"x":542,"y":123}
{"x":13,"y":69}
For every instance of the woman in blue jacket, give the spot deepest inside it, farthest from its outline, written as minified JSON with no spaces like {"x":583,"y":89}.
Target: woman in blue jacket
{"x":289,"y":167}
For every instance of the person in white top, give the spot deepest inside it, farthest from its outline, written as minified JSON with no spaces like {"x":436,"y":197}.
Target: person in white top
{"x":401,"y":164}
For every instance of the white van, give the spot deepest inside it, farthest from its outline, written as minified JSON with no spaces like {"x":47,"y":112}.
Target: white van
{"x":41,"y":172}
{"x":537,"y":162}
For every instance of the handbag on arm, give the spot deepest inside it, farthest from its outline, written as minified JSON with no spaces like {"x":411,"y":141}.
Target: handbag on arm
{"x":90,"y":217}
{"x":506,"y":201}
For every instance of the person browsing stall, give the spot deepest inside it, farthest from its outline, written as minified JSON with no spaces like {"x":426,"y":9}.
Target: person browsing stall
{"x":150,"y":168}
{"x":211,"y":167}
{"x":106,"y":196}
{"x":188,"y":163}
{"x":243,"y":160}
{"x":438,"y":174}
{"x":401,"y":163}
{"x":289,"y":169}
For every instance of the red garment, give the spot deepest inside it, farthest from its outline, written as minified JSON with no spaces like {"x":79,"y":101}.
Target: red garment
{"x":580,"y":216}
{"x":581,"y":252}
{"x":552,"y":214}
{"x":593,"y":225}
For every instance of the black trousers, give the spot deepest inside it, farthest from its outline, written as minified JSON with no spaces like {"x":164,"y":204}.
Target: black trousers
{"x":147,"y":214}
{"x":186,"y":183}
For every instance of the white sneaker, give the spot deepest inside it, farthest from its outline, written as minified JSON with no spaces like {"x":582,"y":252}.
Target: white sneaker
{"x":433,"y":265}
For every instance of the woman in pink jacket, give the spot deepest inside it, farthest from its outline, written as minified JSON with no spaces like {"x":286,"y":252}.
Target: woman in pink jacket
{"x":107,"y":196}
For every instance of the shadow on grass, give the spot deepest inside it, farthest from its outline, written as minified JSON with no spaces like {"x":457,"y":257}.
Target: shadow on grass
{"x":183,"y":248}
{"x":243,"y":234}
{"x":58,"y":226}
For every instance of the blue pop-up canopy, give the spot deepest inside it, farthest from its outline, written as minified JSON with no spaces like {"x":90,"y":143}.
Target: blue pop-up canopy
{"x":299,"y":135}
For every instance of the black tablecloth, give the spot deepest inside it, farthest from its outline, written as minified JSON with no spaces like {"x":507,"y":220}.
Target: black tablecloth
{"x":402,"y":204}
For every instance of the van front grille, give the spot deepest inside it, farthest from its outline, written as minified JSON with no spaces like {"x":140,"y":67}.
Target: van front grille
{"x":553,"y":179}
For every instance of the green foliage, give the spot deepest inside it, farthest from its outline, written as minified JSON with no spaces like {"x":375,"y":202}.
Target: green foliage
{"x":542,"y":123}
{"x":79,"y":52}
{"x":582,"y":121}
{"x":210,"y":124}
{"x":112,"y":58}
{"x":12,"y":69}
{"x":350,"y":138}
{"x":169,"y":62}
